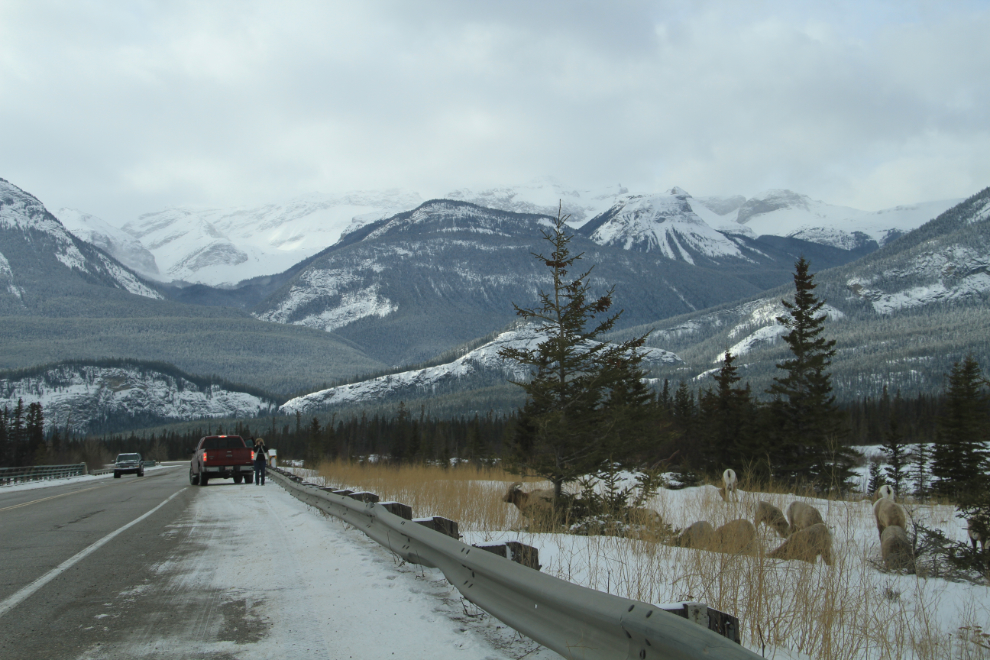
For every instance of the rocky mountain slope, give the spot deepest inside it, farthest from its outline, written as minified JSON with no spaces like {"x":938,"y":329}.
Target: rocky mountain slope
{"x":62,"y":298}
{"x":39,"y":257}
{"x":789,"y":214}
{"x":226,"y":246}
{"x":116,"y":242}
{"x":94,"y":398}
{"x":410,"y":286}
{"x":476,"y":369}
{"x":901,"y":315}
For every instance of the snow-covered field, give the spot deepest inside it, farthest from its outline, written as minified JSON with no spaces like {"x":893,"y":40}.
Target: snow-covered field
{"x":852,"y":610}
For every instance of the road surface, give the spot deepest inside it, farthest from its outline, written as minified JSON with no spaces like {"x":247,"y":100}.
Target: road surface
{"x":154,"y":568}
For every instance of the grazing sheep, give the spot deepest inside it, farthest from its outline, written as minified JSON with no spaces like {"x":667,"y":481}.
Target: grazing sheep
{"x":697,"y":536}
{"x":728,"y":491}
{"x":896,"y":548}
{"x":975,"y":536}
{"x":888,"y":513}
{"x":642,"y":516}
{"x":735,"y":537}
{"x":530,"y":504}
{"x":802,"y":516}
{"x":770,"y":515}
{"x":806,"y":544}
{"x":885,"y":492}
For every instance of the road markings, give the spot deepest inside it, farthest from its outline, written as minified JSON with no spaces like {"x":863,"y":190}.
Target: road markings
{"x":26,"y":591}
{"x":45,"y":499}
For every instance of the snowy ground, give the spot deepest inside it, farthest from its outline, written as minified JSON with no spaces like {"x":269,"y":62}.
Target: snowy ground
{"x":306,"y":586}
{"x":858,"y":598}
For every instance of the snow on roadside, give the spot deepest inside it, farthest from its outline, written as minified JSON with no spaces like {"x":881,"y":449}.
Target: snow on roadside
{"x":306,"y":586}
{"x":81,"y":479}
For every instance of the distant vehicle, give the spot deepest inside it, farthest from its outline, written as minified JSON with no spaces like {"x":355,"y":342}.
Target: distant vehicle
{"x":221,"y":457}
{"x":126,"y":464}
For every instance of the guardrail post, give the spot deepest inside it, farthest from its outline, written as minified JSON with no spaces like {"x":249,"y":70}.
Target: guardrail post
{"x":85,"y":468}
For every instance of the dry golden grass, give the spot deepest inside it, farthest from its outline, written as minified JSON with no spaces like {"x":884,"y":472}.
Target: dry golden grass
{"x":850,"y":610}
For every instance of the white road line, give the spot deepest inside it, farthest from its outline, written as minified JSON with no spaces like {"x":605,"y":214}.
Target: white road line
{"x":13,"y":601}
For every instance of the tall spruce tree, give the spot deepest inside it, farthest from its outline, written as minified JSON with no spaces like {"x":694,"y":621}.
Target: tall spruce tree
{"x":726,"y":415}
{"x":570,"y":422}
{"x":895,"y":450}
{"x":807,"y":434}
{"x":959,"y":460}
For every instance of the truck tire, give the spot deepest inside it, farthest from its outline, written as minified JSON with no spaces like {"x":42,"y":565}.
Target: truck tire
{"x":141,"y":473}
{"x":193,"y":478}
{"x":249,"y":478}
{"x":116,"y":475}
{"x":203,"y":480}
{"x":238,"y":478}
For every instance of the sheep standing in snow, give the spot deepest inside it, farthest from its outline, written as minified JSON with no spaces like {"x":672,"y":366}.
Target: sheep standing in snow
{"x":888,"y":513}
{"x":535,"y":503}
{"x":735,"y":537}
{"x":885,"y":492}
{"x":771,"y":516}
{"x":806,"y":545}
{"x":976,"y":537}
{"x":728,"y":491}
{"x":802,"y":516}
{"x":896,"y":548}
{"x":697,"y":536}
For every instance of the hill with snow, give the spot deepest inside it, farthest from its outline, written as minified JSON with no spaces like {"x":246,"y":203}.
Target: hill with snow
{"x":476,"y":369}
{"x":901,"y":315}
{"x":94,"y":398}
{"x":786,"y":213}
{"x":225,"y":246}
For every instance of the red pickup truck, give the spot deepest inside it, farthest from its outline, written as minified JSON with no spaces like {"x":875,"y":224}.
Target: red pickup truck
{"x":221,"y":457}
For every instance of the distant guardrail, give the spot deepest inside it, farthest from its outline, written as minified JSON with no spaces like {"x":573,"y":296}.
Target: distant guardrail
{"x":14,"y":475}
{"x":575,"y":621}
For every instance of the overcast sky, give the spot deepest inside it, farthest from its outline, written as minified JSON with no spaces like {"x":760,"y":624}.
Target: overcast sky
{"x":119,"y":108}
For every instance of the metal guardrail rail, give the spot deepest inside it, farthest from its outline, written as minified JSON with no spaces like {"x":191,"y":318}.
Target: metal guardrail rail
{"x":16,"y":475}
{"x":576,"y":622}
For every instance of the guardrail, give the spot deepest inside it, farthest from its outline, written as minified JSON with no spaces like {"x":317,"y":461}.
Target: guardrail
{"x":15,"y":475}
{"x":574,"y":621}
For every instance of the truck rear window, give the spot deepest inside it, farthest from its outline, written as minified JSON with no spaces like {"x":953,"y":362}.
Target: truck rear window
{"x":230,"y":442}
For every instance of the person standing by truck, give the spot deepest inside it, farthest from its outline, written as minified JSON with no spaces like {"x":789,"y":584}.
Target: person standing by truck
{"x":260,"y":461}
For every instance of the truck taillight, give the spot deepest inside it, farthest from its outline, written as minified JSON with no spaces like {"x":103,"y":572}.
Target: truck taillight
{"x":252,"y":454}
{"x":204,"y":456}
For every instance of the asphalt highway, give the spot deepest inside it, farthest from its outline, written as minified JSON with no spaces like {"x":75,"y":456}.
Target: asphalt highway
{"x":68,"y":552}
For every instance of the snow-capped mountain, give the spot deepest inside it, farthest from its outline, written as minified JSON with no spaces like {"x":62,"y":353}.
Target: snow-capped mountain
{"x":545,"y":196}
{"x":38,"y":256}
{"x":411,"y":286}
{"x":663,"y":223}
{"x":476,"y":368}
{"x":901,"y":315}
{"x":116,"y":242}
{"x":225,"y":246}
{"x":786,"y":213}
{"x":90,"y":398}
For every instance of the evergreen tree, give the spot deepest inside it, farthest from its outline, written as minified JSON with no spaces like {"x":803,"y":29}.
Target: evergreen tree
{"x":726,"y":414}
{"x":16,"y":435}
{"x":314,"y":445}
{"x":567,"y":427}
{"x":920,"y":471}
{"x":5,"y":460}
{"x":34,"y":432}
{"x":807,"y":432}
{"x":960,"y":458}
{"x":895,"y":451}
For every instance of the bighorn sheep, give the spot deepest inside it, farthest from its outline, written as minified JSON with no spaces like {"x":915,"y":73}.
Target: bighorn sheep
{"x":728,"y":491}
{"x":697,"y":536}
{"x":771,"y":516}
{"x":806,"y":544}
{"x":885,"y":492}
{"x":975,"y":537}
{"x":802,"y":516}
{"x":529,"y":504}
{"x":735,"y":537}
{"x":888,"y":513}
{"x":896,"y":548}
